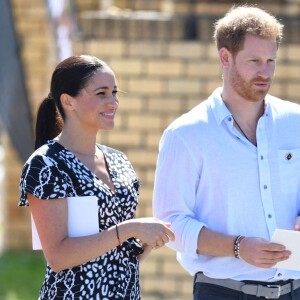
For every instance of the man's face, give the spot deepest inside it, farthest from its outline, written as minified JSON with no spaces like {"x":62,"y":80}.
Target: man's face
{"x":253,"y":68}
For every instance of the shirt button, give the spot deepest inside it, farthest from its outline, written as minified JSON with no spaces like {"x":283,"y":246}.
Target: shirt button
{"x":279,"y":274}
{"x":269,"y":216}
{"x":229,"y":119}
{"x":265,"y":186}
{"x":261,"y":157}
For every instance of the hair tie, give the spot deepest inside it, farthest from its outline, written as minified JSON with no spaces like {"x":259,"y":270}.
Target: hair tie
{"x":50,"y":96}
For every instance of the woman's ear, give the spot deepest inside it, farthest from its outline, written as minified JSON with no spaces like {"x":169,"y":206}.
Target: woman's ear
{"x":67,"y":102}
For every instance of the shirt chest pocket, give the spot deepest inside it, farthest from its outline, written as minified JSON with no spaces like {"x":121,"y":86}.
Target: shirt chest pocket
{"x":289,"y":167}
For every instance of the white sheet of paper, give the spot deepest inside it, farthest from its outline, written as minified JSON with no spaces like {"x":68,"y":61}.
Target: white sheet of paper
{"x":82,"y":219}
{"x":291,"y":240}
{"x":36,"y":243}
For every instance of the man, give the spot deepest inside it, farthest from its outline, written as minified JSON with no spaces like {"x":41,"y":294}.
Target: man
{"x":228,"y":171}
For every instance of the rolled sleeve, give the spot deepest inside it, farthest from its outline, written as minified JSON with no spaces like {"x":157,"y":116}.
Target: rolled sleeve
{"x":187,"y":232}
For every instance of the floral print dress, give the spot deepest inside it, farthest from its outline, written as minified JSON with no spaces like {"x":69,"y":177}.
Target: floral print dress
{"x":54,"y":172}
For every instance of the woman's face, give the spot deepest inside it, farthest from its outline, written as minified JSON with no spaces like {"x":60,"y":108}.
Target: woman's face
{"x":97,"y":103}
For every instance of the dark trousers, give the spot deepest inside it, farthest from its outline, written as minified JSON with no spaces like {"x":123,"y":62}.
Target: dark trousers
{"x":205,"y":291}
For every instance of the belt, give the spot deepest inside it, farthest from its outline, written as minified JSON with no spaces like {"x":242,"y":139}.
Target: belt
{"x":270,"y":291}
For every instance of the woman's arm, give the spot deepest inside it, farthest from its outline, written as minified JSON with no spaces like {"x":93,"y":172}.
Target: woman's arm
{"x":62,"y":252}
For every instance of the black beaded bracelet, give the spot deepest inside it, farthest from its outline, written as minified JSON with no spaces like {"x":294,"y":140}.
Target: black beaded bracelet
{"x":236,"y":248}
{"x":117,"y":231}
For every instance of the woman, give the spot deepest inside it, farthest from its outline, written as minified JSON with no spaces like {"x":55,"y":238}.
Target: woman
{"x":69,"y":163}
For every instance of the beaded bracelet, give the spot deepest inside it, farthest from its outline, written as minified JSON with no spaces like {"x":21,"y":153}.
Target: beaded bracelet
{"x":117,"y":231}
{"x":237,"y":243}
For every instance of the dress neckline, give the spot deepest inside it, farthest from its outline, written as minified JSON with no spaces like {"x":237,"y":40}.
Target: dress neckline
{"x":106,"y":161}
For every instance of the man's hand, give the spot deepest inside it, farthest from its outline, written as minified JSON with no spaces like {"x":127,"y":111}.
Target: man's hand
{"x":297,"y":224}
{"x":262,"y":253}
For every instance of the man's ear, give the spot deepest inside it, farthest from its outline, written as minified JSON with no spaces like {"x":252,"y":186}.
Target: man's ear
{"x":67,"y":102}
{"x":225,"y":57}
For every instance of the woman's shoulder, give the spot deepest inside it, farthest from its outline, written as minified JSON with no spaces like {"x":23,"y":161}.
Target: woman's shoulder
{"x":110,"y":150}
{"x":42,"y":175}
{"x":46,"y":154}
{"x":115,"y":156}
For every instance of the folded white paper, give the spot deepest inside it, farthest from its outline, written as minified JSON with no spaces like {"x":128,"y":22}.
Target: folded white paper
{"x":82,"y":219}
{"x":36,"y":243}
{"x":291,"y":240}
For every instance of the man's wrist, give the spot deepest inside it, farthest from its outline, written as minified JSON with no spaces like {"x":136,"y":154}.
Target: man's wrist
{"x":237,"y":246}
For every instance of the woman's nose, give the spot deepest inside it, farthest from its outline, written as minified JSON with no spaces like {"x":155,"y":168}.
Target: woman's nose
{"x":114,"y":101}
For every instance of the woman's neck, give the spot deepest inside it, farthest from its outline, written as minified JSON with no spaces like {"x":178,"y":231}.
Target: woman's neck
{"x":79,"y":144}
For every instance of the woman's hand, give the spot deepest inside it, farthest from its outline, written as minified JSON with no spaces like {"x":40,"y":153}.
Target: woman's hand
{"x":149,"y":231}
{"x":147,"y":250}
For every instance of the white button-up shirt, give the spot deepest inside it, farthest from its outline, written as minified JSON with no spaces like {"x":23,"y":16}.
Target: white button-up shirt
{"x":209,"y":174}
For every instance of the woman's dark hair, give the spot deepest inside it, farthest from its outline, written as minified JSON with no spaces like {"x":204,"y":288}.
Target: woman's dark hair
{"x":70,"y":77}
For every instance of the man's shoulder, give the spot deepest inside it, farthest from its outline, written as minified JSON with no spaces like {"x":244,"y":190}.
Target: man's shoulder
{"x":194,"y":117}
{"x":282,"y":106}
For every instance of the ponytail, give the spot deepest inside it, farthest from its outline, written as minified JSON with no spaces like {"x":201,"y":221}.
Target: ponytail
{"x":48,"y":122}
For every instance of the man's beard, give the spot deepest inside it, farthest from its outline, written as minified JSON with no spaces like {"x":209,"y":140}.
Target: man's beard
{"x":248,"y":90}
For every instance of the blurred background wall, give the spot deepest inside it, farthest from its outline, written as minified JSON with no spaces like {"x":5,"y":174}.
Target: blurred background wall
{"x":164,"y":57}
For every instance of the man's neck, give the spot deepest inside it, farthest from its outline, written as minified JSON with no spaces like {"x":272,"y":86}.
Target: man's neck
{"x":246,"y":111}
{"x":246,"y":115}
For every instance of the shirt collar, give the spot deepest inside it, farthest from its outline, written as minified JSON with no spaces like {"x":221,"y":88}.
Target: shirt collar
{"x":221,"y":111}
{"x":218,"y":106}
{"x":268,"y":110}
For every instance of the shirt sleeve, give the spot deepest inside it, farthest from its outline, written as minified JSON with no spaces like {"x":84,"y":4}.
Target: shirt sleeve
{"x":42,"y":178}
{"x":176,"y":180}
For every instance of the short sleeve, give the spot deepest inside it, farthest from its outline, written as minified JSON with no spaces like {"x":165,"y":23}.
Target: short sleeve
{"x":42,"y":178}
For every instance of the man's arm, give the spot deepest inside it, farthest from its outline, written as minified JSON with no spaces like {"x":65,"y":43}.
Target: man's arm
{"x":255,"y":251}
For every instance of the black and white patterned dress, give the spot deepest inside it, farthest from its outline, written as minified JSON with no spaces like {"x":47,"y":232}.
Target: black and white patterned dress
{"x":55,"y":172}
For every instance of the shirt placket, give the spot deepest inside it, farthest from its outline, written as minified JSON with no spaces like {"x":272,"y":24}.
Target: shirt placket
{"x":265,"y":183}
{"x":265,"y":174}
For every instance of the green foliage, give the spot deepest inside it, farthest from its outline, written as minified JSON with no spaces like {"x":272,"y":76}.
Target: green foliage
{"x":21,"y":274}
